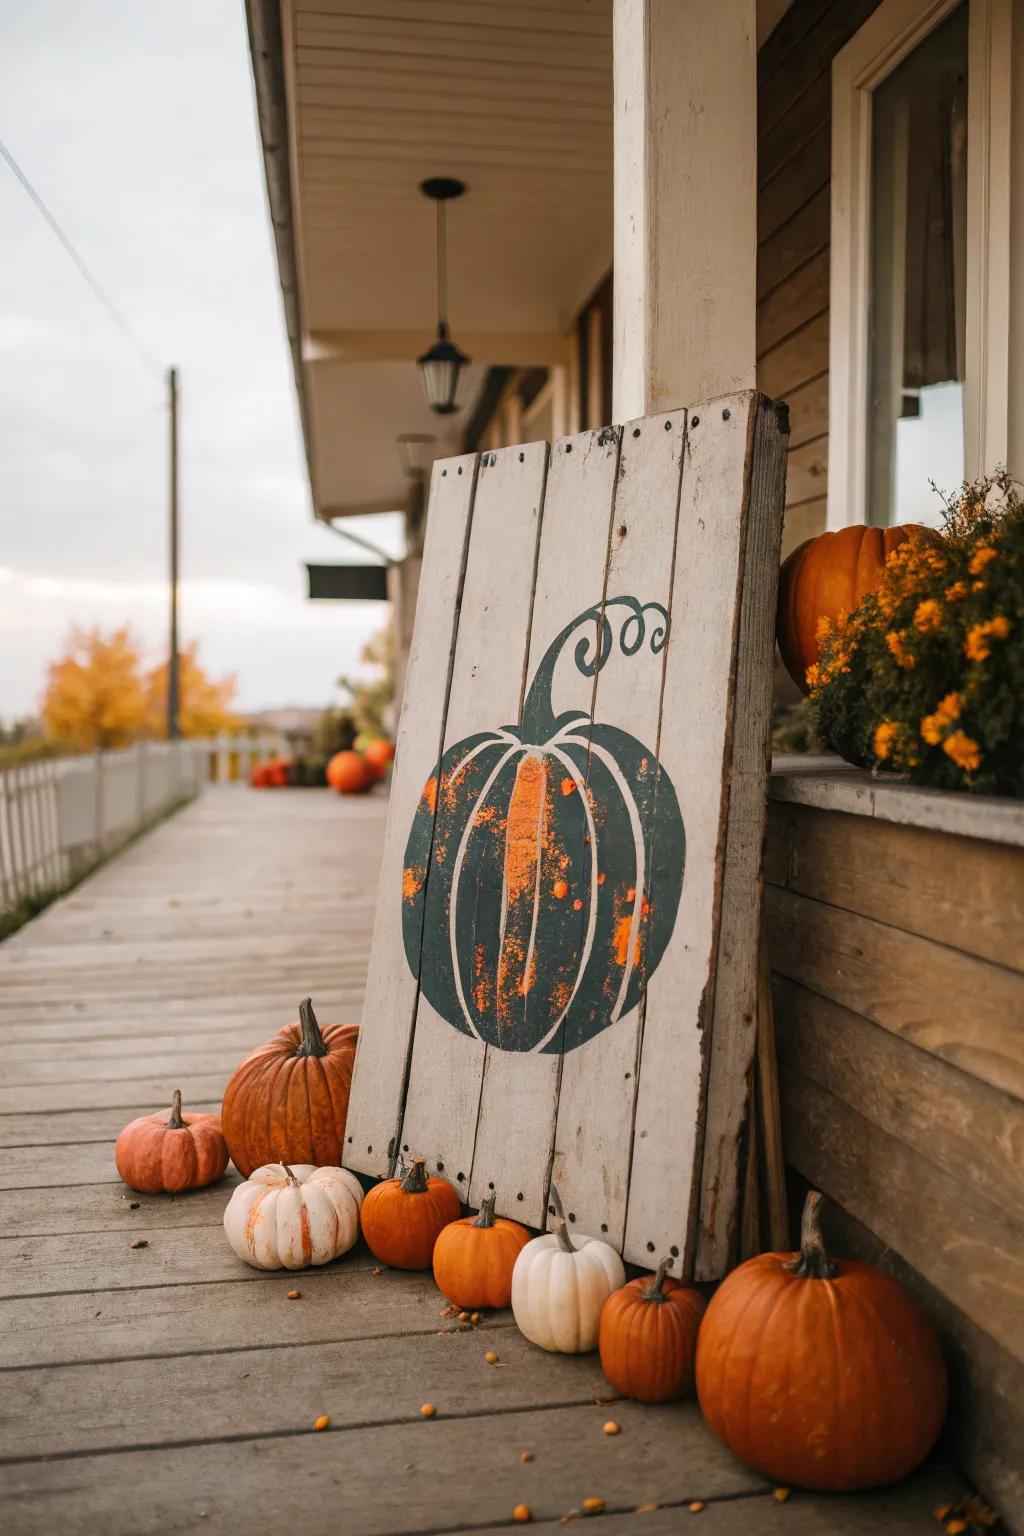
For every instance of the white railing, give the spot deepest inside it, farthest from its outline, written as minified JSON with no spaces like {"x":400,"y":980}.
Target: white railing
{"x":59,"y":816}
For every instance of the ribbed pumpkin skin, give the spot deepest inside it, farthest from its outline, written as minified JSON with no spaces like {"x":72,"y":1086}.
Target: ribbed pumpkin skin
{"x":282,"y":1107}
{"x":831,"y":1384}
{"x":824,"y":577}
{"x":473,"y":1264}
{"x":648,"y":1347}
{"x":401,"y":1226}
{"x":156,"y":1158}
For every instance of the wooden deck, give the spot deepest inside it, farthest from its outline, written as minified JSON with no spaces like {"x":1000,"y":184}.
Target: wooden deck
{"x":169,"y":1387}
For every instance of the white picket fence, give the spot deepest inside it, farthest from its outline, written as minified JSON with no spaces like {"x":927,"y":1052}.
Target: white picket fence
{"x":61,"y":815}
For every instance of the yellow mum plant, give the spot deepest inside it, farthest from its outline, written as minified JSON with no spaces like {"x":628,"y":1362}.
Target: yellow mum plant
{"x":926,"y":675}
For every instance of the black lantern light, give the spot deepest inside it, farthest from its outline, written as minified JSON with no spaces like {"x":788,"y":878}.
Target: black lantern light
{"x":442,"y":363}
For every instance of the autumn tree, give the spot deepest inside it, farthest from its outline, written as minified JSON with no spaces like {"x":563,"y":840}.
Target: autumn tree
{"x":203,"y":703}
{"x":95,"y":693}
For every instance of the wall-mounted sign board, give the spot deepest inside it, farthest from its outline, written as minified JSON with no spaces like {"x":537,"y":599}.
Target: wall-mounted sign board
{"x":563,"y":972}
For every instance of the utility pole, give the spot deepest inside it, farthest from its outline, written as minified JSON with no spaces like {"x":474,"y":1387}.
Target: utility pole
{"x":172,"y":662}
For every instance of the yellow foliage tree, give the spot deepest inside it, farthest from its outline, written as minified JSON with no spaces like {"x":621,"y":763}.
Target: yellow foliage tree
{"x":95,"y":694}
{"x":203,"y":704}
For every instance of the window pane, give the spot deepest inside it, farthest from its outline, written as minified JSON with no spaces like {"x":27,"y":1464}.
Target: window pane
{"x":918,"y":268}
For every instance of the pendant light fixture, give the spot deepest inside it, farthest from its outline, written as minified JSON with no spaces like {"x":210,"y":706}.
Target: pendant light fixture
{"x":442,"y":363}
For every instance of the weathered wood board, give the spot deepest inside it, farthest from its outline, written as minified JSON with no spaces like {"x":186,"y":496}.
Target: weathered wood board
{"x":564,"y":966}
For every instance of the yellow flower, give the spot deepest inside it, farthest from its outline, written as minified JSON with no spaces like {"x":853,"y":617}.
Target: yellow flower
{"x":815,"y":676}
{"x":885,"y":737}
{"x":964,"y":752}
{"x":976,"y":645}
{"x":823,"y":629}
{"x":894,"y":640}
{"x":949,"y":707}
{"x":981,"y":557}
{"x":932,"y":727}
{"x":999,"y":626}
{"x":956,"y":591}
{"x":927,"y":615}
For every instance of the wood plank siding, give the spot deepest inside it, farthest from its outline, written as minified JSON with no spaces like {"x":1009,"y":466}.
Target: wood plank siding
{"x":794,"y":110}
{"x":899,"y":996}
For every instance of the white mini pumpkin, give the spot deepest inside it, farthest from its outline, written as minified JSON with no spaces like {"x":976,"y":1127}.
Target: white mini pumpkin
{"x":291,"y":1217}
{"x":559,"y":1286}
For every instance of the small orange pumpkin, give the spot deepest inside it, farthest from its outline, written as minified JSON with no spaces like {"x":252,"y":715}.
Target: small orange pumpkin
{"x":474,"y":1258}
{"x":288,"y":1100}
{"x":826,"y":576}
{"x":403,"y":1218}
{"x":348,"y":773}
{"x":820,"y":1373}
{"x":648,"y":1337}
{"x":379,"y":755}
{"x":159,"y":1156}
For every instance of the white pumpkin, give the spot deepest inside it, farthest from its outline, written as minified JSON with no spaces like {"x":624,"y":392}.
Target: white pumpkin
{"x":559,"y":1286}
{"x":291,"y":1217}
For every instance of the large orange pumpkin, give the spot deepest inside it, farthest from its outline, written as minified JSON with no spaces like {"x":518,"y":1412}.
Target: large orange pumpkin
{"x":820,"y":1373}
{"x":157,"y":1155}
{"x":349,"y":773}
{"x":288,"y":1100}
{"x":824,"y":577}
{"x":403,"y":1218}
{"x":648,"y":1337}
{"x":474,"y":1258}
{"x":379,"y":754}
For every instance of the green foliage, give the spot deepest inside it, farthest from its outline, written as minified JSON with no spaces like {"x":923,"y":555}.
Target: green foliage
{"x":927,"y":674}
{"x":371,"y":696}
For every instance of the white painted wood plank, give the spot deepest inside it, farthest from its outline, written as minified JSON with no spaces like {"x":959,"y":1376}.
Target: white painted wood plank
{"x":598,"y":1080}
{"x":378,"y":1079}
{"x":696,"y":749}
{"x":486,"y":693}
{"x":519,"y":1094}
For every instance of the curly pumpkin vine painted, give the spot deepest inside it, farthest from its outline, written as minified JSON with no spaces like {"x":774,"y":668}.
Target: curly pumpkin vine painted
{"x":555,"y":851}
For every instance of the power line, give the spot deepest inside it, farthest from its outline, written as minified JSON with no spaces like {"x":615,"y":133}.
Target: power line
{"x":84,"y":271}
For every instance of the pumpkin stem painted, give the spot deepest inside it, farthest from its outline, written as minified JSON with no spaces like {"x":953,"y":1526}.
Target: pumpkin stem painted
{"x":486,"y":1216}
{"x":175,"y":1123}
{"x":655,"y":1291}
{"x":312,"y":1042}
{"x":812,"y":1262}
{"x":559,"y":1227}
{"x":591,"y":652}
{"x":415,"y":1181}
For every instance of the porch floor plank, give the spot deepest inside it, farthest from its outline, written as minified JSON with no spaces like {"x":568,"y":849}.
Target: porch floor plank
{"x":157,"y":1388}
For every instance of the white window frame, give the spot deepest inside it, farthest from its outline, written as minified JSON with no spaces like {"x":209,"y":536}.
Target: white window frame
{"x":885,"y":39}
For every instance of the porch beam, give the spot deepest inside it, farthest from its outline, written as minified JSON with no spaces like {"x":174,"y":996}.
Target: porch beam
{"x":685,"y":201}
{"x":512,"y":349}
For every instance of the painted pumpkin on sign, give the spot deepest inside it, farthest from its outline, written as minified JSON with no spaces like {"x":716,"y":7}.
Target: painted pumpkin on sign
{"x":555,"y":851}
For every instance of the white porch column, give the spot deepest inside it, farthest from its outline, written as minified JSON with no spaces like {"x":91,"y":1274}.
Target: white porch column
{"x":685,"y":201}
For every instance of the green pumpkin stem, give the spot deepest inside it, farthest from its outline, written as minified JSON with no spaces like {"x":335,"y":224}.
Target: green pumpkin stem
{"x":655,"y":1291}
{"x":559,"y":1227}
{"x":415,"y":1181}
{"x":812,"y":1262}
{"x":486,"y":1215}
{"x":312,"y":1042}
{"x":176,"y":1123}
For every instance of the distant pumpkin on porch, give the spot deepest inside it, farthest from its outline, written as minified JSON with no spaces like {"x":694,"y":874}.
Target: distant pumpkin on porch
{"x":555,"y":852}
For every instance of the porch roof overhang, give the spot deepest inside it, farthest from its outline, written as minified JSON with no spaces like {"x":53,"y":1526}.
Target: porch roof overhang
{"x":357,"y":105}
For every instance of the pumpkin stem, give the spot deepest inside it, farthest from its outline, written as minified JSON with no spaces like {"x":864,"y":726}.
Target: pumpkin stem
{"x":486,"y":1216}
{"x":291,"y":1177}
{"x":812,"y":1262}
{"x":559,"y":1227}
{"x":312,"y":1042}
{"x":415,"y":1181}
{"x":655,"y":1291}
{"x":175,"y":1123}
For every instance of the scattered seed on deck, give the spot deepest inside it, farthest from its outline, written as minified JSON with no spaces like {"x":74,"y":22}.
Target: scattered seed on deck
{"x":427,"y":1411}
{"x":491,"y":1357}
{"x":322,"y":1422}
{"x":463,"y":1317}
{"x":696,"y":1506}
{"x":592,"y":1506}
{"x":780,"y":1495}
{"x":474,"y":1317}
{"x":133,"y":1205}
{"x":646,"y":1509}
{"x":611,"y":1428}
{"x":522,"y":1513}
{"x":138,"y":1242}
{"x":525,"y":1455}
{"x":294,"y":1295}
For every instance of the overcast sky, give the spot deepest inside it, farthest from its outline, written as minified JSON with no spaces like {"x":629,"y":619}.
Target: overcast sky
{"x":136,"y":123}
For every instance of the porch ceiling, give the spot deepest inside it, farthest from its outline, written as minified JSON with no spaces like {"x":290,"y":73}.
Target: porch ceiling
{"x":513,"y":98}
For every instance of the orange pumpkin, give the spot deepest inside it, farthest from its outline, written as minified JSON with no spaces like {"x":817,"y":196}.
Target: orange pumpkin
{"x":403,"y":1218}
{"x":348,"y":773}
{"x":824,"y":577}
{"x":379,"y":755}
{"x":259,"y":777}
{"x":287,"y":1101}
{"x":474,"y":1258}
{"x":820,"y":1373}
{"x":648,"y":1337}
{"x":157,"y":1155}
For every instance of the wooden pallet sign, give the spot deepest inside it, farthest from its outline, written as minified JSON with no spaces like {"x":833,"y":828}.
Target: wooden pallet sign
{"x":563,"y":975}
